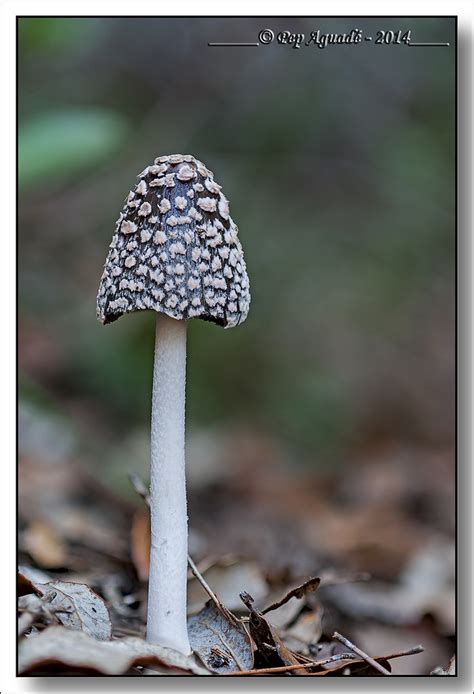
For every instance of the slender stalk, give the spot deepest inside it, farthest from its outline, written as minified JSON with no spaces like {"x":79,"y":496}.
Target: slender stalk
{"x":166,"y":621}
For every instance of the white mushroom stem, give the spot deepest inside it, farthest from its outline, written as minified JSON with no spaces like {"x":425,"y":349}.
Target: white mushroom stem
{"x":166,"y":622}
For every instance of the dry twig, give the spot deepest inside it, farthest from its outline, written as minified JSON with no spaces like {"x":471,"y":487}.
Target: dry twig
{"x":361,"y":653}
{"x":289,"y":668}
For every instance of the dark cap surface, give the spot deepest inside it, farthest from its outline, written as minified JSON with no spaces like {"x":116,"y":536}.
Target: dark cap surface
{"x":176,"y":249}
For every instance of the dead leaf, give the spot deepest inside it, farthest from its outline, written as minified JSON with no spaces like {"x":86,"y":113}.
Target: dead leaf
{"x":77,"y":606}
{"x":220,"y":640}
{"x":33,"y":611}
{"x":44,"y":545}
{"x":270,"y":649}
{"x":140,"y":543}
{"x":33,"y":574}
{"x":27,"y":580}
{"x":298,"y":593}
{"x":77,"y":651}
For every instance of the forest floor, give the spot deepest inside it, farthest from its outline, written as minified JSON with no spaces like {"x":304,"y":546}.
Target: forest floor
{"x":292,"y":573}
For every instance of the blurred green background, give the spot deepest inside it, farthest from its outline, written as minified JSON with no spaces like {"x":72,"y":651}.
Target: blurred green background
{"x":339,"y":165}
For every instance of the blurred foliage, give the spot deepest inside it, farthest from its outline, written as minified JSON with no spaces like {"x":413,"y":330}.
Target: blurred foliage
{"x":60,"y":143}
{"x":339,"y":165}
{"x":39,"y":35}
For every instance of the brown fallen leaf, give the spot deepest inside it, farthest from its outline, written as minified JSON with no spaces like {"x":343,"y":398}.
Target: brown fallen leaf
{"x":44,"y":545}
{"x":75,"y":650}
{"x":270,"y":649}
{"x":220,"y":640}
{"x":140,"y":543}
{"x":299,"y":592}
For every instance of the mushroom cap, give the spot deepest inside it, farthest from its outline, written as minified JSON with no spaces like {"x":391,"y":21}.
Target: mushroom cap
{"x":176,"y":249}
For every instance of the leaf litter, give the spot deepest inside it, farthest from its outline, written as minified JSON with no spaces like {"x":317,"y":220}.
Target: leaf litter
{"x":220,"y":640}
{"x":80,"y":651}
{"x":251,"y":623}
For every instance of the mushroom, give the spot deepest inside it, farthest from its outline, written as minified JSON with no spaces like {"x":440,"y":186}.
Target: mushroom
{"x":175,"y":251}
